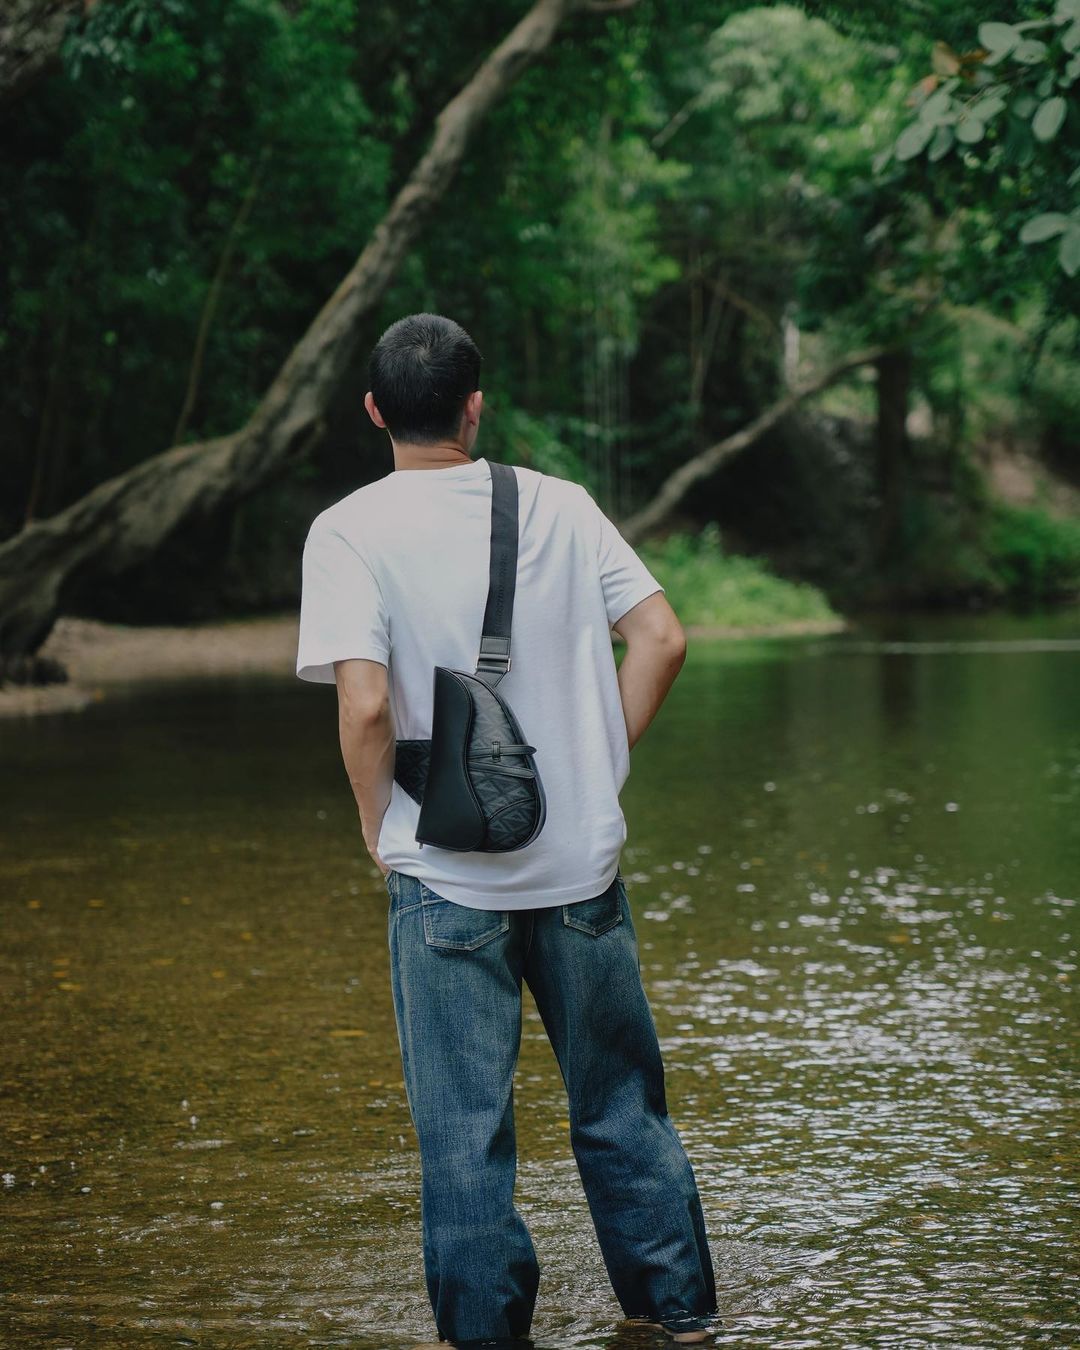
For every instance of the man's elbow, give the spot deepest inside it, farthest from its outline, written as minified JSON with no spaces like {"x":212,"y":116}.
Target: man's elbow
{"x":362,"y":714}
{"x":675,"y":646}
{"x":665,"y":648}
{"x":361,"y":709}
{"x":653,"y":627}
{"x":669,"y":636}
{"x":363,"y":693}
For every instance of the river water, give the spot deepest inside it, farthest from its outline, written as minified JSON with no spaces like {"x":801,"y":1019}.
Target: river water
{"x":853,"y":865}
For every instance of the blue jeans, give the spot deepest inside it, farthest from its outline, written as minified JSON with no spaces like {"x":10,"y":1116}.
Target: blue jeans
{"x":456,"y":975}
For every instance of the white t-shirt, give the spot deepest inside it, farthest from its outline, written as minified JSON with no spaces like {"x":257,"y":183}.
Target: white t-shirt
{"x":397,"y":572}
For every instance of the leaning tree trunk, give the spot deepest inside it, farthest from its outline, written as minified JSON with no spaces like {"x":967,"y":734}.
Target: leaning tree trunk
{"x":124,"y":520}
{"x":675,"y":488}
{"x":31,"y":35}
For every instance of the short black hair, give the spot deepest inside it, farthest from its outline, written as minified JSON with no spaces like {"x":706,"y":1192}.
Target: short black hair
{"x":420,"y":373}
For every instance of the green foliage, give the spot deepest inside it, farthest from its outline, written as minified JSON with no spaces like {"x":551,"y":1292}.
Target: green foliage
{"x":1054,"y":398}
{"x":779,"y":121}
{"x":673,"y":212}
{"x":991,"y":552}
{"x":517,"y":437}
{"x":563,"y":247}
{"x":1005,"y":107}
{"x":124,"y":180}
{"x":705,"y":585}
{"x":607,"y":228}
{"x":1033,"y":556}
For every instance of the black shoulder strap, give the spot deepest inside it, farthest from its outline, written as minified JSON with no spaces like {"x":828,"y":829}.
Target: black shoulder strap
{"x":502,"y":581}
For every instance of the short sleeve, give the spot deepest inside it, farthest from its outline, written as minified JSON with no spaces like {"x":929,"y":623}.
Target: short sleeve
{"x":625,"y":578}
{"x":342,"y":613}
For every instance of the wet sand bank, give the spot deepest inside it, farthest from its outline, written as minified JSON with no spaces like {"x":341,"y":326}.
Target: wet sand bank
{"x":101,"y":656}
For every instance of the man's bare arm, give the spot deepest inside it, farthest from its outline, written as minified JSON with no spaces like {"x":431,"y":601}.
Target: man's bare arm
{"x":655,"y":652}
{"x":367,"y":734}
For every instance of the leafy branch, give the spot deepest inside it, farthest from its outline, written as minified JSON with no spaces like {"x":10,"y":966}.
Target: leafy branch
{"x":1015,"y":83}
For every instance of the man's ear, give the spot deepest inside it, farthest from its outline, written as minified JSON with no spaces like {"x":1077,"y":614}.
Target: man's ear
{"x":372,"y":410}
{"x":474,"y":405}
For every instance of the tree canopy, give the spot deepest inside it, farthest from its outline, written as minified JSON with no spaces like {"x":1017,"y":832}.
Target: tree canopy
{"x":673,"y":216}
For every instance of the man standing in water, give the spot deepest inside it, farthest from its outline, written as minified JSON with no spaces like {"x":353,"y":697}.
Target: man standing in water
{"x":395,"y":581}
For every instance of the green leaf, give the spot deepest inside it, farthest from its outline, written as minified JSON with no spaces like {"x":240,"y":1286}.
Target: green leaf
{"x":1069,"y":251}
{"x":881,"y":159}
{"x":1031,"y":51}
{"x":937,"y":108}
{"x":1042,"y":227}
{"x":1067,"y":9}
{"x":1070,"y":39}
{"x":1047,"y":121}
{"x":942,"y":143}
{"x":989,"y":106}
{"x":912,"y":140}
{"x":970,"y":129}
{"x":998,"y":37}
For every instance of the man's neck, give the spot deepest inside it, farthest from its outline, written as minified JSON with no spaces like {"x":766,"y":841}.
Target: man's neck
{"x":438,"y":456}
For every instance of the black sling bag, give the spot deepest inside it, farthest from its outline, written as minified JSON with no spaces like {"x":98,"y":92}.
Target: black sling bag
{"x":476,"y":780}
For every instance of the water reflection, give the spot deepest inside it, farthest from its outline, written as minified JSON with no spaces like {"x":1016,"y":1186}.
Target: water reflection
{"x":857,"y":929}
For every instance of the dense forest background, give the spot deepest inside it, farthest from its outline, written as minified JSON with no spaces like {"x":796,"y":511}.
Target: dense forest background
{"x":677,"y":213}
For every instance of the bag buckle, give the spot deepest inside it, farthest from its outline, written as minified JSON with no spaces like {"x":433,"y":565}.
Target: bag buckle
{"x":494,"y":654}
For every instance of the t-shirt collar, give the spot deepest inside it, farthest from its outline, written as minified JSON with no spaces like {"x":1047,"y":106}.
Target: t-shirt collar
{"x":476,"y":468}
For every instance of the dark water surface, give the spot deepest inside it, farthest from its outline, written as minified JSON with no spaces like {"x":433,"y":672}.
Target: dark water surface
{"x":854,"y":868}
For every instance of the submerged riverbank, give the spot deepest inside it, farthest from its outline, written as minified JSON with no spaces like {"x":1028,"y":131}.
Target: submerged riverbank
{"x":101,"y":657}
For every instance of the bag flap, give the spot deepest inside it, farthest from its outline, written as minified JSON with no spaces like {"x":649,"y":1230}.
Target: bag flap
{"x":450,"y":816}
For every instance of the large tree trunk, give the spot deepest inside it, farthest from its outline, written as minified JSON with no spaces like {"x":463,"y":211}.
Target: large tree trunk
{"x":675,"y":488}
{"x":31,"y":34}
{"x":125,"y":519}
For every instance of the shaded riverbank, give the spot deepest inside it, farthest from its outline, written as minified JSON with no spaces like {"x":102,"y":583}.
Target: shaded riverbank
{"x":101,"y":657}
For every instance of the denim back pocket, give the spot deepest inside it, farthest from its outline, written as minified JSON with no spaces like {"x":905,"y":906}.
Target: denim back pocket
{"x":459,"y":928}
{"x":601,"y":912}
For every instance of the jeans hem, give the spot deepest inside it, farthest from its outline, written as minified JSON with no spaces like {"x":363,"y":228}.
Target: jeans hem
{"x":678,"y":1321}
